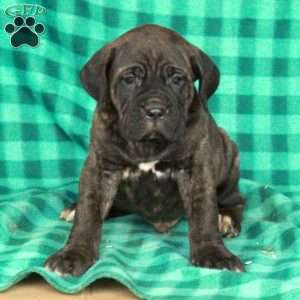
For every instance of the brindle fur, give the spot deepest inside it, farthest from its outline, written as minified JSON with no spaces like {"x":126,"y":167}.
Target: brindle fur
{"x":198,"y":163}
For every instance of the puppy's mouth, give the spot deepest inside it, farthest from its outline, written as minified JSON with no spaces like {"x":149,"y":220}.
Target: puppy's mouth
{"x":154,"y":138}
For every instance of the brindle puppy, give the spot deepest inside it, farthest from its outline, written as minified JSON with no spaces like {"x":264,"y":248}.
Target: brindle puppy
{"x":155,"y":150}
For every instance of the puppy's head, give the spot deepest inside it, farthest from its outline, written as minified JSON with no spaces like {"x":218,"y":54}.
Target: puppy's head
{"x":147,"y":76}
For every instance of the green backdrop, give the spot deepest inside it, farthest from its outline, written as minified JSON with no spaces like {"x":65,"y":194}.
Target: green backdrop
{"x":45,"y":116}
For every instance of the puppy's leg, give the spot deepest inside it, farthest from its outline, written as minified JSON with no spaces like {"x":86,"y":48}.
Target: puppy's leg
{"x":97,"y":191}
{"x":199,"y":196}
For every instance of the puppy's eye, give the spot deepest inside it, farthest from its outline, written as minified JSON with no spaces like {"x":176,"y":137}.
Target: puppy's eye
{"x":177,"y":79}
{"x":129,"y":79}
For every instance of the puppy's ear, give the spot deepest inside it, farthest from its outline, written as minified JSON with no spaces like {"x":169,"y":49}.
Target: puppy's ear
{"x":94,"y":74}
{"x":206,"y":71}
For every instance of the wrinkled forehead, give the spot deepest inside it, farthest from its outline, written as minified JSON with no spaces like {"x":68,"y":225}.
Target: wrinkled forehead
{"x":153,"y":55}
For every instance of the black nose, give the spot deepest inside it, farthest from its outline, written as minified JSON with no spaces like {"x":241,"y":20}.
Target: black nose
{"x":155,"y":110}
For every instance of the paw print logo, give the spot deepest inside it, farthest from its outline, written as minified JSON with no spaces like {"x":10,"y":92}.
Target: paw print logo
{"x":24,"y":31}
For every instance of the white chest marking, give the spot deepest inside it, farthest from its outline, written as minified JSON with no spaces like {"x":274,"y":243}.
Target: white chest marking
{"x":150,"y":166}
{"x":126,"y":173}
{"x":145,"y":168}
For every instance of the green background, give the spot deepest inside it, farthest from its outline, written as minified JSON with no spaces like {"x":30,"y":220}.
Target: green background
{"x":45,"y":116}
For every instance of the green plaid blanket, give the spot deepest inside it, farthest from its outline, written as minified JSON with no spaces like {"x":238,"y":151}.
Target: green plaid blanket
{"x":45,"y":118}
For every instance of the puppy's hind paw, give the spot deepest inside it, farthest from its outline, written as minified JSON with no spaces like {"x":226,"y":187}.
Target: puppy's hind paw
{"x":68,"y":214}
{"x":228,"y":227}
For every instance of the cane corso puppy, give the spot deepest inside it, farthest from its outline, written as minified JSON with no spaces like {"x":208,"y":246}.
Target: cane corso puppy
{"x":155,"y":150}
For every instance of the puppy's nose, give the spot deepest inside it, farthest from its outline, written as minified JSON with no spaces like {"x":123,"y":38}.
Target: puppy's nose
{"x":155,"y":111}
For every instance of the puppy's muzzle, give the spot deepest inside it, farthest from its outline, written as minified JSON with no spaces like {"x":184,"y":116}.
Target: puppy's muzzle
{"x":154,"y":110}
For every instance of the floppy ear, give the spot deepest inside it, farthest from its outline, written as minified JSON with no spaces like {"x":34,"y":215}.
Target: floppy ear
{"x":94,"y":74}
{"x":206,"y":71}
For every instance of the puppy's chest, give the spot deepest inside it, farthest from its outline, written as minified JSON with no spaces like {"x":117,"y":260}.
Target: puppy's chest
{"x":154,"y":169}
{"x":151,"y":190}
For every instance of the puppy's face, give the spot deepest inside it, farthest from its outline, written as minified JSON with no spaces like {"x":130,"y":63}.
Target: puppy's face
{"x":151,"y":93}
{"x":147,"y":76}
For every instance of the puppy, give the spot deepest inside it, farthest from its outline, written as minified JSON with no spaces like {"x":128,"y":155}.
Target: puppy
{"x":155,"y":150}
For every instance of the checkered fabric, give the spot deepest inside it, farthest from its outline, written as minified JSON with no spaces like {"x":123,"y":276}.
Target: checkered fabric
{"x":45,"y":116}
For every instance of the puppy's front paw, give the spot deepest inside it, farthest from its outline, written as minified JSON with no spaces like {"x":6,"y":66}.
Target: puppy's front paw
{"x":217,"y":257}
{"x":70,"y":261}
